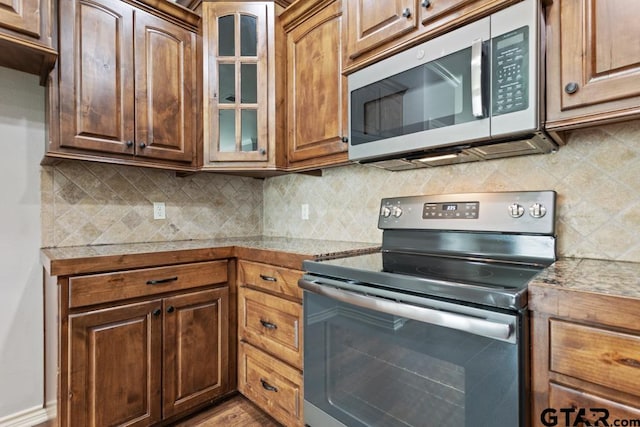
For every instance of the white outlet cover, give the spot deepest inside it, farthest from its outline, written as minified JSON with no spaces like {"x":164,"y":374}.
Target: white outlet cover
{"x":159,"y":210}
{"x":304,"y":211}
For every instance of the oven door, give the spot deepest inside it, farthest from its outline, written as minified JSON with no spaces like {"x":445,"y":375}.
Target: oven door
{"x":373,"y":361}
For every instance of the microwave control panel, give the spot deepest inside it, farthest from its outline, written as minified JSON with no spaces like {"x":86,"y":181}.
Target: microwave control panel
{"x":510,"y":53}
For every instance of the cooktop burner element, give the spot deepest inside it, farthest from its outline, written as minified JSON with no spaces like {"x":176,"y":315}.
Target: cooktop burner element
{"x":475,"y":248}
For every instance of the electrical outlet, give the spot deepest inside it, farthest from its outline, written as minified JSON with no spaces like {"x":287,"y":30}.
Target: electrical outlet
{"x":304,"y":211}
{"x":158,"y":210}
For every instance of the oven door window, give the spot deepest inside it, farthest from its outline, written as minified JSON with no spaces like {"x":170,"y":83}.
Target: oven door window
{"x":431,"y":96}
{"x":366,"y":368}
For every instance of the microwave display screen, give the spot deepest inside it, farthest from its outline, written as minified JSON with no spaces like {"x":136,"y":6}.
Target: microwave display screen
{"x":510,"y":77}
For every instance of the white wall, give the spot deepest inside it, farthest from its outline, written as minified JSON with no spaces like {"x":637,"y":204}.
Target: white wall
{"x":21,"y":325}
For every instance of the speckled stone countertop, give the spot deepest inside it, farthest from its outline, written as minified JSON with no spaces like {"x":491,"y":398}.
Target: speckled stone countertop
{"x":85,"y":259}
{"x":614,"y":278}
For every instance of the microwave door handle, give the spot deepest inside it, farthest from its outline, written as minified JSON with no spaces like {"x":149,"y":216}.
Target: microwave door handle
{"x":476,"y":78}
{"x":472,"y":325}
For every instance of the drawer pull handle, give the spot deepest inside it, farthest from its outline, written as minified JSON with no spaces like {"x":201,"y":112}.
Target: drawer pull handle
{"x":160,"y":281}
{"x":267,"y":386}
{"x":268,"y":278}
{"x":268,"y":325}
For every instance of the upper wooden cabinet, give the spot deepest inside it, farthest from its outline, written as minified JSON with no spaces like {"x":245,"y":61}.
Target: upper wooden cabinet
{"x":316,"y":88}
{"x":241,"y":125}
{"x":127,"y":86}
{"x":378,"y":29}
{"x":593,"y":62}
{"x":26,"y":36}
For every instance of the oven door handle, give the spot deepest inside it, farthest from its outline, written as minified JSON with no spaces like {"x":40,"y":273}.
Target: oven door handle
{"x":447,"y":319}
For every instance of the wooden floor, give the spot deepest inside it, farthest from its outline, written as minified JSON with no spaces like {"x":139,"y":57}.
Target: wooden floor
{"x":235,"y":412}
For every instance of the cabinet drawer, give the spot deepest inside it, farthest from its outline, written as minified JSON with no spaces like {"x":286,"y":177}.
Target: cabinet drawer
{"x":272,"y":324}
{"x":564,"y":397}
{"x":101,"y":288}
{"x":600,"y":356}
{"x":270,"y":384}
{"x":274,"y":279}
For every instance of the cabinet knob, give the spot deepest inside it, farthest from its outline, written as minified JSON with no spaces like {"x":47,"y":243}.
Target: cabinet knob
{"x":345,"y":139}
{"x":143,"y":145}
{"x":406,"y":13}
{"x":157,"y":312}
{"x":571,"y":88}
{"x":425,"y":3}
{"x":171,"y":309}
{"x":129,"y":144}
{"x":263,"y":151}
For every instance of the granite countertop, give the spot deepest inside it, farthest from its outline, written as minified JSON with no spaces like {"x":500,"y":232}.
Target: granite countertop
{"x":613,"y":278}
{"x":84,"y":259}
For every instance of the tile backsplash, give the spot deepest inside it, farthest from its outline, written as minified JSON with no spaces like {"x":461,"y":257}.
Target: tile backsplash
{"x":92,"y":203}
{"x":596,"y":176}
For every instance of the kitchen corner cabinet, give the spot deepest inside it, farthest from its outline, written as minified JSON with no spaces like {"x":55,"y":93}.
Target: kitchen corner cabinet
{"x":26,"y":36}
{"x":140,"y":346}
{"x":270,"y":340}
{"x":241,"y":73}
{"x":316,"y":88}
{"x":585,"y":357}
{"x":126,"y":84}
{"x":593,"y":62}
{"x":376,"y":30}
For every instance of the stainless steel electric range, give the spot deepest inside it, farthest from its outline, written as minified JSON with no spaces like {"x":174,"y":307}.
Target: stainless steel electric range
{"x":433,"y":329}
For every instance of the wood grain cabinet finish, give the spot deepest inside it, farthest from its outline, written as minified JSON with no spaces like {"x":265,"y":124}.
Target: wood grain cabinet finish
{"x":593,"y":65}
{"x":585,"y":354}
{"x":376,"y":30}
{"x":127,"y":86}
{"x":242,"y":86}
{"x":270,"y":339}
{"x":139,"y":358}
{"x":316,"y":88}
{"x":26,"y":36}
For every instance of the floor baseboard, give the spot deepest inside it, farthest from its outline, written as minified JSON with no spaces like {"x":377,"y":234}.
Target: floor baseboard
{"x":26,"y":418}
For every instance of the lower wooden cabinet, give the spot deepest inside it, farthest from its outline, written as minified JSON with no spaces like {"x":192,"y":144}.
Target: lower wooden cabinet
{"x":141,"y":358}
{"x":270,"y":340}
{"x":585,"y":359}
{"x":271,"y":384}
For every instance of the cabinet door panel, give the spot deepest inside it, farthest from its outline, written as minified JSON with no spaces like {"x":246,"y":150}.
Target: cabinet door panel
{"x":601,"y":50}
{"x":116,"y":371}
{"x":96,"y":105}
{"x":164,"y":82}
{"x":372,"y":23}
{"x":21,"y":15}
{"x":195,"y":349}
{"x":317,"y":92}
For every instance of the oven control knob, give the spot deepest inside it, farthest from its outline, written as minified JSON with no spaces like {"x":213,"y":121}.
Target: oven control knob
{"x":537,"y":210}
{"x":516,"y":210}
{"x":385,"y":211}
{"x":396,"y":211}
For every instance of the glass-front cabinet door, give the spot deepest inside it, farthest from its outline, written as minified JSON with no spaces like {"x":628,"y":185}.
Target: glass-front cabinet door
{"x":236,"y":84}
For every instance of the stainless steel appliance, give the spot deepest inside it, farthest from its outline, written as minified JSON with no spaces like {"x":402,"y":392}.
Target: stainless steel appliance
{"x":472,"y":94}
{"x":432,"y":330}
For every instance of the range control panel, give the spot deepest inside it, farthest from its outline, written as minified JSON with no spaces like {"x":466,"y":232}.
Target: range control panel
{"x":458,"y":210}
{"x":510,"y":212}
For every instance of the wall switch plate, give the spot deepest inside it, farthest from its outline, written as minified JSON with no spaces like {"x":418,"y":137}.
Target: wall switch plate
{"x":304,"y":211}
{"x":159,"y":211}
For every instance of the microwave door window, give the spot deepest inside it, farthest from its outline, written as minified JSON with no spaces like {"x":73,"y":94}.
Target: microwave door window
{"x":434,"y":95}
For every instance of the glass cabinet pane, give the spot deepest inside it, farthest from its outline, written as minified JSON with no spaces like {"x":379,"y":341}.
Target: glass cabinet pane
{"x":249,"y":83}
{"x":227,"y":83}
{"x":227,"y":120}
{"x":249,"y":119}
{"x":226,"y":36}
{"x":248,"y":36}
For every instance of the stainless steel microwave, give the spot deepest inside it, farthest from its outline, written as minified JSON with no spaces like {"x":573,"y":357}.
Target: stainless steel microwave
{"x":474,"y":93}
